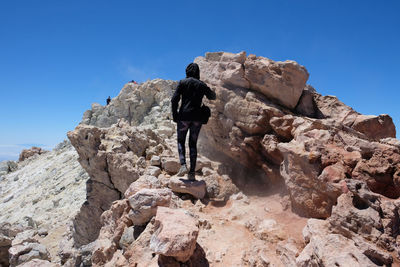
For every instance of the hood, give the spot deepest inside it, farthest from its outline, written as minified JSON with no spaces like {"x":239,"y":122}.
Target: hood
{"x":193,"y":70}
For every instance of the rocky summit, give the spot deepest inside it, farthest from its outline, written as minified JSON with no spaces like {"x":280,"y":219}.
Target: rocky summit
{"x":285,"y":177}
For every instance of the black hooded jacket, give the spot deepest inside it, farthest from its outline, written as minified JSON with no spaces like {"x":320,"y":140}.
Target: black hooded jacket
{"x":192,"y":91}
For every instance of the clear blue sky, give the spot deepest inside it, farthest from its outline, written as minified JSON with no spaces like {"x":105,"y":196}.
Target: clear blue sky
{"x":58,"y":57}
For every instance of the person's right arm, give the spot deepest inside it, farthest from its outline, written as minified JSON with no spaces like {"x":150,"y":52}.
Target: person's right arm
{"x":175,"y":101}
{"x":210,"y":94}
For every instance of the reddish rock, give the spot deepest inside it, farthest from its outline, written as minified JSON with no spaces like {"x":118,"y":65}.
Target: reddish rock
{"x":114,"y":222}
{"x":27,"y":153}
{"x":375,"y":127}
{"x":283,"y":126}
{"x":175,"y":235}
{"x":380,"y":172}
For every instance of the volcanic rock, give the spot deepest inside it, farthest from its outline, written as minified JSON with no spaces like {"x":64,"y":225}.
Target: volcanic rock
{"x":268,"y":130}
{"x":109,"y":155}
{"x":170,"y":165}
{"x":39,"y":263}
{"x":144,"y":181}
{"x":194,"y":188}
{"x":114,"y":221}
{"x":145,"y":202}
{"x":7,"y":167}
{"x":281,"y":81}
{"x":375,"y":127}
{"x":332,"y":250}
{"x":137,"y":103}
{"x":25,"y":252}
{"x":27,"y":153}
{"x":175,"y":235}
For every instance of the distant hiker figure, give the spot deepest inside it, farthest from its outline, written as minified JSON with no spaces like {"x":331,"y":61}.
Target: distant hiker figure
{"x":108,"y":100}
{"x":133,"y":81}
{"x":190,"y":116}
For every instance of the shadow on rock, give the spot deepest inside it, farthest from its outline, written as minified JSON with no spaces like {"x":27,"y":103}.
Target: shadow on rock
{"x":198,"y":259}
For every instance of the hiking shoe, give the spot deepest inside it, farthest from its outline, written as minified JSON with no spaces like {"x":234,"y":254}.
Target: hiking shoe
{"x":191,"y":176}
{"x":182,"y":171}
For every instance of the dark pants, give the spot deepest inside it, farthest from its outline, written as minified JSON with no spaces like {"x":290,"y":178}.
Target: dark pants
{"x":194,"y":128}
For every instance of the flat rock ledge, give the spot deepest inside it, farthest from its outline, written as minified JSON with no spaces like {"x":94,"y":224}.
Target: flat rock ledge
{"x":194,"y":188}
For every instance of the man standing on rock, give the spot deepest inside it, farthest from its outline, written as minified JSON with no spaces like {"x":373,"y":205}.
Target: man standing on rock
{"x":189,"y":117}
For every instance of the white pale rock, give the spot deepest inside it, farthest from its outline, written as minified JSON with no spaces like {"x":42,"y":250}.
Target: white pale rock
{"x":145,"y":202}
{"x":194,"y":188}
{"x":176,"y":234}
{"x":153,"y":171}
{"x":155,"y":161}
{"x":288,"y":251}
{"x":332,"y":250}
{"x":127,"y":237}
{"x":25,"y":236}
{"x":39,"y":263}
{"x":144,"y":181}
{"x":25,"y":252}
{"x":146,"y":103}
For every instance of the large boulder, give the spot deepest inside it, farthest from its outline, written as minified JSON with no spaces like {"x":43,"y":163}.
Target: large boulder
{"x":281,"y":81}
{"x":375,"y":127}
{"x":175,"y":235}
{"x":301,"y":167}
{"x":241,"y":113}
{"x":332,"y":250}
{"x":145,"y":202}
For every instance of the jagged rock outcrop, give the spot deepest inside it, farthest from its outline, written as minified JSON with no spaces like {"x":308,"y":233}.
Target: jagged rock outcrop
{"x":245,"y":114}
{"x":146,"y":103}
{"x":281,"y":81}
{"x":363,"y":223}
{"x":316,"y":164}
{"x":114,"y":158}
{"x":27,"y":153}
